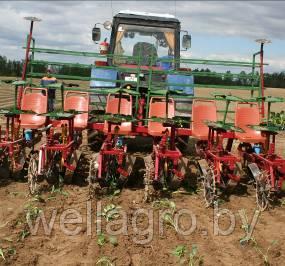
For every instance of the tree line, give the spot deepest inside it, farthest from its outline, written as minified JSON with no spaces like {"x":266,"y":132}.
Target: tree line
{"x":13,"y":68}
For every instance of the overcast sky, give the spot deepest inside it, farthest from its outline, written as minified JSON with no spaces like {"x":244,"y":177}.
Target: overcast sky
{"x":220,"y":30}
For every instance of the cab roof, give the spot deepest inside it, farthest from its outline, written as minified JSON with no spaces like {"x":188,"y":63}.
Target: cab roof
{"x":147,"y":16}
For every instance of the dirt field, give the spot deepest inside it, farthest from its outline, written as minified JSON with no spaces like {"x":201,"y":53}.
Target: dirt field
{"x":135,"y":240}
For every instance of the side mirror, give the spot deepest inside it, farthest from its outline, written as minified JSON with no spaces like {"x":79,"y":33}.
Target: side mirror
{"x":186,"y":41}
{"x":96,"y":34}
{"x":107,"y":25}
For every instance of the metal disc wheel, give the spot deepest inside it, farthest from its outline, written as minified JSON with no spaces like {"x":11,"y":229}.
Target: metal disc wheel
{"x":93,"y":185}
{"x":33,"y":181}
{"x":262,"y":191}
{"x":149,"y":191}
{"x":169,"y":180}
{"x":54,"y":173}
{"x":209,"y":186}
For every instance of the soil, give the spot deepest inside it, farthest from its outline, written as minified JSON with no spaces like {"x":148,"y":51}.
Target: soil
{"x":21,"y":247}
{"x":83,"y":249}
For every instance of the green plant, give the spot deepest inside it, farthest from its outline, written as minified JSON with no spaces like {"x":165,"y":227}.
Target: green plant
{"x":2,"y":254}
{"x":113,"y":240}
{"x":194,"y":257}
{"x":191,"y":257}
{"x":101,"y":240}
{"x":164,"y":204}
{"x":179,"y":251}
{"x":32,"y":212}
{"x":11,"y":251}
{"x":168,"y":218}
{"x":110,"y":212}
{"x":23,"y":234}
{"x":264,"y":254}
{"x":115,"y":193}
{"x":59,"y":190}
{"x":251,"y":239}
{"x":277,"y":119}
{"x":16,"y":193}
{"x":8,"y":239}
{"x":104,"y":261}
{"x":37,"y":198}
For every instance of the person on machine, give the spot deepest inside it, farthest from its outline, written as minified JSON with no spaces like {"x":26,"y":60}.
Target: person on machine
{"x":45,"y":81}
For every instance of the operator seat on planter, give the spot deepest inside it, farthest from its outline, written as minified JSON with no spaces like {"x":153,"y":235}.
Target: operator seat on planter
{"x":112,"y":107}
{"x":157,"y":108}
{"x":35,"y":100}
{"x":78,"y":101}
{"x":246,"y":115}
{"x":202,"y":110}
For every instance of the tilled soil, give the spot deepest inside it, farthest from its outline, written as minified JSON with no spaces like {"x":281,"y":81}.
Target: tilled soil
{"x":142,"y":242}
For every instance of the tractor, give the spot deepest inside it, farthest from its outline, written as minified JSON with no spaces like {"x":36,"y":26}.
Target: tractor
{"x":134,"y":85}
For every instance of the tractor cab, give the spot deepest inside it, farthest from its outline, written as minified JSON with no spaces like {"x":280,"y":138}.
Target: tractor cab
{"x":141,"y":50}
{"x":143,"y":38}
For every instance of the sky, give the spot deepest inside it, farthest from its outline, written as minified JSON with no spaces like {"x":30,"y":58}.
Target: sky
{"x":219,"y":29}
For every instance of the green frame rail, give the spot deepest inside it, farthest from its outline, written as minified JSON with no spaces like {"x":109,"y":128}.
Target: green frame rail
{"x":253,"y":77}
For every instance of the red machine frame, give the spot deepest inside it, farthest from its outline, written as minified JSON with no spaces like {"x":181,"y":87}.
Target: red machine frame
{"x":266,"y":167}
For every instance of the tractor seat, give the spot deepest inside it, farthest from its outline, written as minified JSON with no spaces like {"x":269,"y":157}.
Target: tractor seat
{"x":146,"y":51}
{"x":202,"y":110}
{"x":157,"y":108}
{"x":112,"y":107}
{"x":33,"y":99}
{"x":246,"y":115}
{"x":78,"y":101}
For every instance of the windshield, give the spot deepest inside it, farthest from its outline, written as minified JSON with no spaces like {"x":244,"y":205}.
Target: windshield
{"x":146,"y":44}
